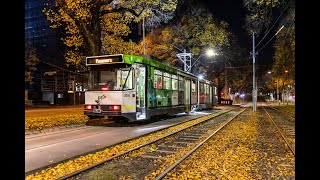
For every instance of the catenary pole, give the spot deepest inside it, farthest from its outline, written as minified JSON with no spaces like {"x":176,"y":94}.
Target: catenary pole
{"x":254,"y":91}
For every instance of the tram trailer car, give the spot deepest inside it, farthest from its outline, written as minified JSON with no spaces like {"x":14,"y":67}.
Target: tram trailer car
{"x":136,"y":88}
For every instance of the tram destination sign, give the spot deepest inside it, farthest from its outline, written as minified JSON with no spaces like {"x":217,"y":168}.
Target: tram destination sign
{"x":104,"y":59}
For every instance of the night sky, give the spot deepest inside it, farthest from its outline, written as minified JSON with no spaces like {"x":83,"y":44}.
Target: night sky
{"x":233,"y":12}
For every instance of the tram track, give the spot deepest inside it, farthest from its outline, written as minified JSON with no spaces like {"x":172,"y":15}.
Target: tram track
{"x":245,"y":149}
{"x":284,"y":124}
{"x":287,"y":113}
{"x":110,"y":151}
{"x":170,"y":155}
{"x":176,"y":144}
{"x":170,"y":168}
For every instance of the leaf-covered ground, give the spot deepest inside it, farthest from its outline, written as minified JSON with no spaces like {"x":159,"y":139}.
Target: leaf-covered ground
{"x":90,"y":159}
{"x":288,"y":108}
{"x":38,"y":119}
{"x":248,"y":148}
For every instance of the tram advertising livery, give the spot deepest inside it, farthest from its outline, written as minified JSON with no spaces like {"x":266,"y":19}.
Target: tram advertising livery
{"x":135,"y":88}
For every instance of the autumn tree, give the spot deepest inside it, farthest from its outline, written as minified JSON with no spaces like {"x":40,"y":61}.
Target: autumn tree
{"x":30,"y":63}
{"x":93,"y":27}
{"x":194,"y":30}
{"x":284,"y":57}
{"x":261,"y":14}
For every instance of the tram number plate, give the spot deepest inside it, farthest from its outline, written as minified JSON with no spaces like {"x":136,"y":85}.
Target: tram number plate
{"x":96,"y":110}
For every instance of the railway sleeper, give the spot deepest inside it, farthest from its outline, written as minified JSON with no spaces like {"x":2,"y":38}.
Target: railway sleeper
{"x":181,"y":142}
{"x":151,"y":157}
{"x":166,"y":151}
{"x":192,"y":136}
{"x":177,"y":147}
{"x":189,"y":139}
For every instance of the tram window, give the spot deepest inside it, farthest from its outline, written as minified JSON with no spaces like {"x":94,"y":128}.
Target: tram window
{"x":193,"y":86}
{"x":206,"y":88}
{"x":124,"y":78}
{"x":157,"y":79}
{"x":106,"y":76}
{"x":166,"y":81}
{"x":181,"y":83}
{"x":174,"y":84}
{"x":201,"y":88}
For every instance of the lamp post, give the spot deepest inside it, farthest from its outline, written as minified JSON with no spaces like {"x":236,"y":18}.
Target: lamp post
{"x":186,"y":58}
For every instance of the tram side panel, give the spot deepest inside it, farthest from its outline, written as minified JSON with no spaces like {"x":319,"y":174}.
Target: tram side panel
{"x":165,"y":94}
{"x":206,"y":99}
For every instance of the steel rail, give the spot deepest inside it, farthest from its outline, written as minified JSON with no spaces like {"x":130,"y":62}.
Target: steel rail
{"x":163,"y":174}
{"x":279,"y":130}
{"x":138,"y":147}
{"x":289,"y":114}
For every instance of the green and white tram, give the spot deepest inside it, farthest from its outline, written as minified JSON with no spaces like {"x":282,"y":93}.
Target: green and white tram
{"x":136,"y":88}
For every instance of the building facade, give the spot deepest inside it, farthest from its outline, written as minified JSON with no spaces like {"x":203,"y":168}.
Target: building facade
{"x":53,"y":76}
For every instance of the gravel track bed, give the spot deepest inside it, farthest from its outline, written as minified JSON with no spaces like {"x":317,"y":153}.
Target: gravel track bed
{"x":133,"y":166}
{"x":286,"y":125}
{"x":248,"y":148}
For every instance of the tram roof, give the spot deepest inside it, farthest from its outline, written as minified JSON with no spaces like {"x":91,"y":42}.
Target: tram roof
{"x":131,"y":59}
{"x":143,"y":59}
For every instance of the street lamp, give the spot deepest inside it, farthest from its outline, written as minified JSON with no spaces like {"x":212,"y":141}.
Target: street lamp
{"x":211,"y":52}
{"x":186,"y":58}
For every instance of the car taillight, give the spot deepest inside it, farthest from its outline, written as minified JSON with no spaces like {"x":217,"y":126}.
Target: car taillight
{"x":116,"y":107}
{"x":104,"y":88}
{"x":88,"y":107}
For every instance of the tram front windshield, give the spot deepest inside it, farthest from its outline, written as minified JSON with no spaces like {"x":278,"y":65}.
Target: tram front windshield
{"x":111,"y":79}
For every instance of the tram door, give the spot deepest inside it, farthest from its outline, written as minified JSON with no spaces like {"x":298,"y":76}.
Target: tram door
{"x":187,"y":94}
{"x":140,"y":74}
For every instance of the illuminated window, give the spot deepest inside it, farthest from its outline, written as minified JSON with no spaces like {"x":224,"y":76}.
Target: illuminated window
{"x":166,"y":81}
{"x":157,"y":79}
{"x":174,"y":82}
{"x":193,"y":86}
{"x":201,"y":87}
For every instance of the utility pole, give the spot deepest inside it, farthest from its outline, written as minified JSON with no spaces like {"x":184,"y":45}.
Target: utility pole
{"x":74,"y":90}
{"x":278,"y":92}
{"x":254,"y":91}
{"x":144,"y":38}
